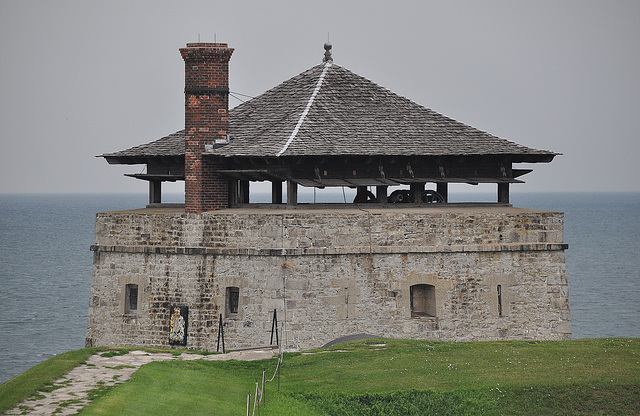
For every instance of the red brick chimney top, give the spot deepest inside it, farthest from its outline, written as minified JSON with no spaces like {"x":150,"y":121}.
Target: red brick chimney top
{"x":206,"y":45}
{"x":206,"y":121}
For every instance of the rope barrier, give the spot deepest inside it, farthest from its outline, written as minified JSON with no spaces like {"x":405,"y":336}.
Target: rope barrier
{"x":259,"y":392}
{"x":258,"y":397}
{"x":275,"y":372}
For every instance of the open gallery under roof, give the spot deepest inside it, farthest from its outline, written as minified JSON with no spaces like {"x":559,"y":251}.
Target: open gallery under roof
{"x":325,"y":127}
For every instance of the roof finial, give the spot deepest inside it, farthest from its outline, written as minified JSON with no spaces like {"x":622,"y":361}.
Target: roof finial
{"x":327,"y":53}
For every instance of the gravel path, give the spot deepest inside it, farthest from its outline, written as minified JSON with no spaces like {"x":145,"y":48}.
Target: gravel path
{"x":108,"y":371}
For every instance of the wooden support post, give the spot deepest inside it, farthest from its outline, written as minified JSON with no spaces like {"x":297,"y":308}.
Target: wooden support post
{"x":233,"y":193}
{"x":292,"y":193}
{"x":503,"y":193}
{"x":443,"y":189}
{"x":381,"y":194}
{"x":244,"y":192}
{"x":155,"y":192}
{"x":276,"y":192}
{"x":416,"y":190}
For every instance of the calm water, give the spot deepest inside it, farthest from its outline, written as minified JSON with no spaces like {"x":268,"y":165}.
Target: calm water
{"x":45,"y":267}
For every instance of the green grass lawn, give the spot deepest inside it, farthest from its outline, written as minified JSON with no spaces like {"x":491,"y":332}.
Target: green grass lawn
{"x":403,"y":377}
{"x":40,"y":377}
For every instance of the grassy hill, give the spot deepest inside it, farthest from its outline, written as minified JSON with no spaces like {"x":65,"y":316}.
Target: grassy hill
{"x":398,"y":377}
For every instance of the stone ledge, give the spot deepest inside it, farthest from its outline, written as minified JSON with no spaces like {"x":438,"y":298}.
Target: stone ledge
{"x":323,"y":251}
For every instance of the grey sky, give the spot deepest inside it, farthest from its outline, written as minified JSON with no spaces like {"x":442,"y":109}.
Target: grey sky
{"x":80,"y":78}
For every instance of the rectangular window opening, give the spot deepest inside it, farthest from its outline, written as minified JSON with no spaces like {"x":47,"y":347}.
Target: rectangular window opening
{"x":131,"y":300}
{"x":499,"y":300}
{"x":233,"y":299}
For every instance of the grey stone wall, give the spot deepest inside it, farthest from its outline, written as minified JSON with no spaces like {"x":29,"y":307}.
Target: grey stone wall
{"x":330,"y":273}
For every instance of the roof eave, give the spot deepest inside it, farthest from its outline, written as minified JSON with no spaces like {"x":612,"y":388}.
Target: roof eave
{"x":514,"y":157}
{"x":139,"y":160}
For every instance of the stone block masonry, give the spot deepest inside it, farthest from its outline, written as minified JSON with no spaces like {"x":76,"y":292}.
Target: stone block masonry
{"x":426,"y":273}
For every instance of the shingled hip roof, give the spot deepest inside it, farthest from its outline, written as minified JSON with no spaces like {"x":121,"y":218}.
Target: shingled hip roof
{"x":168,"y":146}
{"x":330,"y":111}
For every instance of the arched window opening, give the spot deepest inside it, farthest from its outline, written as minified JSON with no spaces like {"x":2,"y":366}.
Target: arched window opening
{"x":423,"y":300}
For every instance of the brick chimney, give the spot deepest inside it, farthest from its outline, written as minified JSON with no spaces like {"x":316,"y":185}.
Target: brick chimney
{"x":206,"y":120}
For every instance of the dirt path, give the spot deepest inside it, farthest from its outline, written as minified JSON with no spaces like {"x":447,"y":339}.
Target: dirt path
{"x":101,"y":372}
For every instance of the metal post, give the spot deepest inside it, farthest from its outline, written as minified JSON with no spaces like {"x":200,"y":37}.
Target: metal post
{"x":219,"y":331}
{"x":274,"y":325}
{"x":221,"y":335}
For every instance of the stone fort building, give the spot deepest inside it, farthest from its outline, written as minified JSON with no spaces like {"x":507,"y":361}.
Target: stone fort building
{"x":399,"y":261}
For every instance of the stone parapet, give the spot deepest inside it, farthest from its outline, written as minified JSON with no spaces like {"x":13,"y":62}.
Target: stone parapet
{"x":330,"y":229}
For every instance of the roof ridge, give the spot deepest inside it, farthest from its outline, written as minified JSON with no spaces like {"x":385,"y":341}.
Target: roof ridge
{"x":294,"y":133}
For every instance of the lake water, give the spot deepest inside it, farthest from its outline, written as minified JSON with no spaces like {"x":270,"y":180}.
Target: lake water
{"x":45,"y":267}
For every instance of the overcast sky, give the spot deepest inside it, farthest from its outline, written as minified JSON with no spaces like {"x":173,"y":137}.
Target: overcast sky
{"x":81,"y":78}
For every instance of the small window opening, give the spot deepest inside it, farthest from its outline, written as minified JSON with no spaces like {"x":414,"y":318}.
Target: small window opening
{"x":499,"y":300}
{"x":423,"y":300}
{"x":233,"y":298}
{"x":131,"y":300}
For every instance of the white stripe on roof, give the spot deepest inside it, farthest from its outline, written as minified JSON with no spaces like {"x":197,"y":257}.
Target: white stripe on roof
{"x":306,"y":110}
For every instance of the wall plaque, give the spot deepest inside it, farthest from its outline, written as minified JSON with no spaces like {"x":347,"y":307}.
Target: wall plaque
{"x":178,"y":325}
